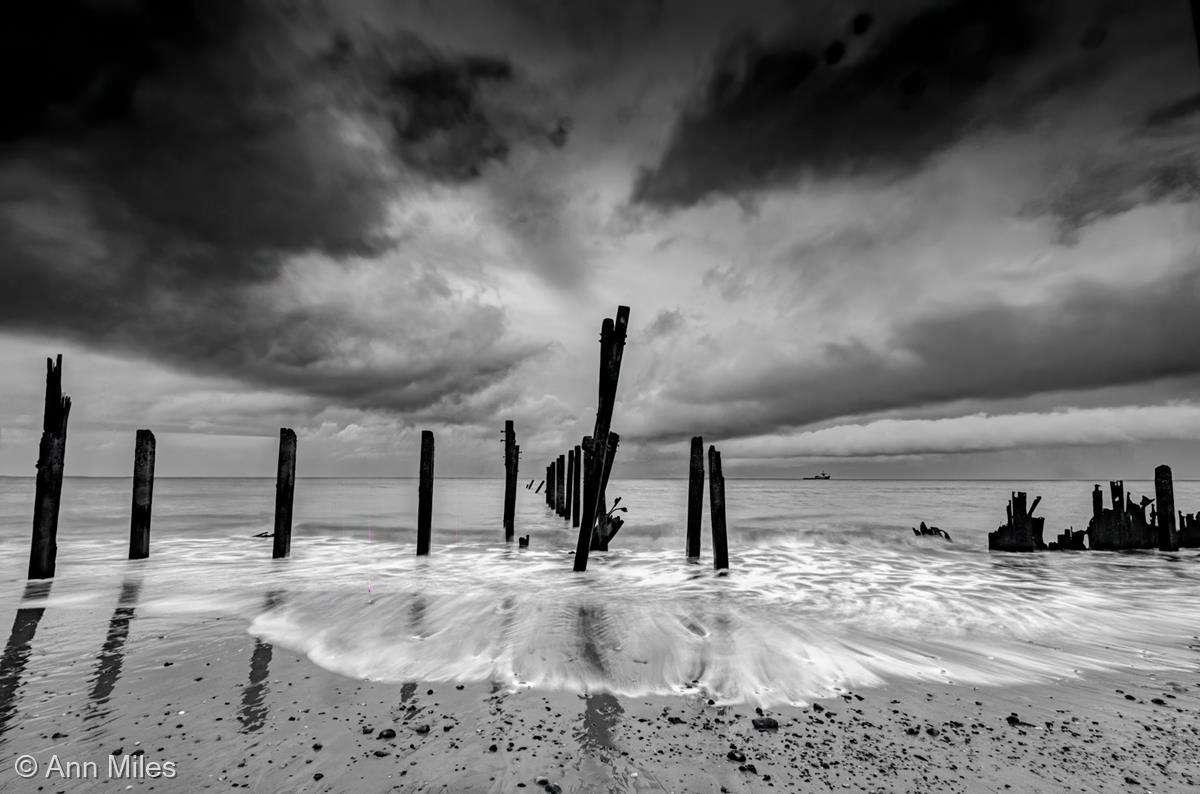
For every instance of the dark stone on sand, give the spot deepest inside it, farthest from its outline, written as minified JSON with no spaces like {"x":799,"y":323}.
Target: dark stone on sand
{"x":58,"y":735}
{"x":381,"y":753}
{"x":387,"y":733}
{"x":734,"y":755}
{"x":765,"y":723}
{"x":493,"y":748}
{"x":318,"y":776}
{"x":367,"y":730}
{"x":422,"y":729}
{"x":1132,"y":781}
{"x":542,"y":781}
{"x":317,"y":747}
{"x":751,"y":768}
{"x":913,"y":731}
{"x":553,"y":788}
{"x":674,"y":720}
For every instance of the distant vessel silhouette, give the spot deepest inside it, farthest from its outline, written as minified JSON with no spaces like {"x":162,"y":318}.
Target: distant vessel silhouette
{"x":821,"y":476}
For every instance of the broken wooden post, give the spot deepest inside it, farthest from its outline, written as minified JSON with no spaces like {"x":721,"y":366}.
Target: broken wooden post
{"x":695,"y":497}
{"x":716,"y":508}
{"x":1097,"y":501}
{"x":52,"y":451}
{"x":1023,"y":531}
{"x":570,"y":495}
{"x":425,"y":494}
{"x":285,"y":489}
{"x":560,"y":486}
{"x":576,"y":485}
{"x":143,"y":493}
{"x":1164,"y":494}
{"x":510,"y":479}
{"x":612,"y":347}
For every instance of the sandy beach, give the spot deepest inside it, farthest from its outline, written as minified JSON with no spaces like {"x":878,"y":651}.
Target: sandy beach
{"x":229,"y":711}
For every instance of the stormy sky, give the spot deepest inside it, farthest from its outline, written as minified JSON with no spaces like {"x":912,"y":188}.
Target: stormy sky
{"x":932,"y":238}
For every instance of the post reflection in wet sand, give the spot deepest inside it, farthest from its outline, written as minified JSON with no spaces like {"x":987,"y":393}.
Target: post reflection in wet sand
{"x":16,"y":652}
{"x":112,"y":653}
{"x":253,"y":713}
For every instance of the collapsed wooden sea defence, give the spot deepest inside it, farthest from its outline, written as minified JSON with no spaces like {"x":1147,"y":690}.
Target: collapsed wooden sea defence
{"x":1123,"y":526}
{"x":43,"y":551}
{"x":1023,"y":531}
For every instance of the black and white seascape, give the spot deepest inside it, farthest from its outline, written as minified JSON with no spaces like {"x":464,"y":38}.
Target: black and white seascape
{"x":630,"y":396}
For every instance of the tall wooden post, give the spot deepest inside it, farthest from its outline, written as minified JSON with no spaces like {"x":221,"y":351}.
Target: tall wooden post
{"x":550,"y":478}
{"x":52,"y":451}
{"x":285,"y":489}
{"x":560,"y":486}
{"x":600,"y":536}
{"x":695,"y":497}
{"x":612,"y":347}
{"x":576,"y":485}
{"x":1164,"y":494}
{"x":143,"y":493}
{"x":1097,"y":501}
{"x":425,"y":494}
{"x":716,"y":507}
{"x":510,"y":479}
{"x":570,"y":484}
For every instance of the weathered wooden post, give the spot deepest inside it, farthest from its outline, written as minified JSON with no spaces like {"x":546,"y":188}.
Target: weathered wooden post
{"x":716,"y":507}
{"x":1164,"y":494}
{"x":550,"y":484}
{"x":612,"y":347}
{"x":539,"y":488}
{"x":560,"y":484}
{"x":143,"y":494}
{"x":510,"y":479}
{"x":43,"y":550}
{"x":1097,"y":501}
{"x":425,"y":494}
{"x":570,"y":484}
{"x":601,"y":535}
{"x":575,"y":487}
{"x":695,"y":497}
{"x":285,"y":489}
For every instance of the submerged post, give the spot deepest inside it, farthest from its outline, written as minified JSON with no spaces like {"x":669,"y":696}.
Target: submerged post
{"x":285,"y":489}
{"x":612,"y":347}
{"x":143,"y":493}
{"x":1164,"y":493}
{"x":695,"y":497}
{"x":510,"y":479}
{"x":716,"y":507}
{"x":576,"y":485}
{"x":48,"y":488}
{"x":425,"y":494}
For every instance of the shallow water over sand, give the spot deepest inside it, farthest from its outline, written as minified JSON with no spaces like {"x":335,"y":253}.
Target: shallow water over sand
{"x":828,"y":588}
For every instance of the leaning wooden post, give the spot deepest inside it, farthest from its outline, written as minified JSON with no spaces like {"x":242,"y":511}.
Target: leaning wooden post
{"x":510,"y":479}
{"x":612,"y":347}
{"x":600,"y":536}
{"x":43,"y":550}
{"x":560,"y":486}
{"x":576,"y":485}
{"x":570,"y":494}
{"x":716,"y":507}
{"x":1164,"y":493}
{"x":695,"y":497}
{"x":425,"y":494}
{"x":143,"y":493}
{"x":285,"y":489}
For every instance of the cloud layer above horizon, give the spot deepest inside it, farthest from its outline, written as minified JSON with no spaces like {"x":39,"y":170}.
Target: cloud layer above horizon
{"x":844,"y":232}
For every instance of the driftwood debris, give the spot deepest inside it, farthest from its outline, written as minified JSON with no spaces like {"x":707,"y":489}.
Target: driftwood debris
{"x":43,"y":549}
{"x":285,"y":490}
{"x":143,"y":494}
{"x":1023,"y":531}
{"x":927,"y":530}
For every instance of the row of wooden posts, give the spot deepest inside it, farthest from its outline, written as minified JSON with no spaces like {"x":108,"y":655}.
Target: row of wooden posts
{"x":576,"y":482}
{"x":1124,"y":526}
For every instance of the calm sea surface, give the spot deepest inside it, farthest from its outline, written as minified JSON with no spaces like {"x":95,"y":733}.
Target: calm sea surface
{"x":828,"y":587}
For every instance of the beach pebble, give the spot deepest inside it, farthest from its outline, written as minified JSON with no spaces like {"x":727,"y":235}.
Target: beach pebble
{"x":367,"y":730}
{"x":387,"y":733}
{"x":422,"y":729}
{"x":765,"y":723}
{"x":381,"y":753}
{"x":542,"y":781}
{"x":317,"y":746}
{"x":318,"y":776}
{"x":553,"y":788}
{"x":735,"y":755}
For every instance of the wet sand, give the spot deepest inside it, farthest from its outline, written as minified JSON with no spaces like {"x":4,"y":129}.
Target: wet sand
{"x":232,"y":711}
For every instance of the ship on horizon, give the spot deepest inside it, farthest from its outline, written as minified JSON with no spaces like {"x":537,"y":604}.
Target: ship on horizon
{"x":821,"y":476}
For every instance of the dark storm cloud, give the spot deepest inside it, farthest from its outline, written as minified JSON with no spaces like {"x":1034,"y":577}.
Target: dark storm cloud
{"x":1093,"y":337}
{"x":884,"y":91}
{"x":162,"y":160}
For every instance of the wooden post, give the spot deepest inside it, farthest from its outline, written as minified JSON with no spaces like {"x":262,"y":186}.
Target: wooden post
{"x":539,"y":488}
{"x":43,"y":549}
{"x":716,"y":508}
{"x":576,"y":485}
{"x":612,"y":347}
{"x":1097,"y":501}
{"x":550,"y":478}
{"x":560,"y":485}
{"x":425,"y":494}
{"x":600,"y":535}
{"x":143,"y":493}
{"x":1164,"y":494}
{"x":695,"y":497}
{"x":510,"y":479}
{"x":570,"y":484}
{"x":285,"y":489}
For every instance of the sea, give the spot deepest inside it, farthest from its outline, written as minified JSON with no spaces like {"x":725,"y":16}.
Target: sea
{"x":828,"y":588}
